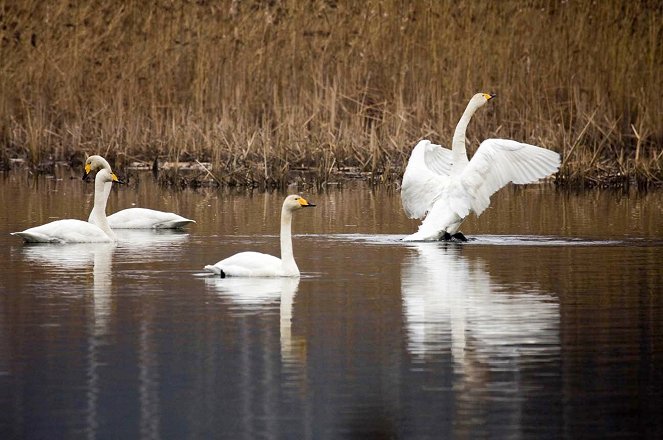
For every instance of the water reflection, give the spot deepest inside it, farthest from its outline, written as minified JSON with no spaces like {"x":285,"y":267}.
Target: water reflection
{"x":493,"y":331}
{"x":252,"y":294}
{"x":137,"y":238}
{"x":73,"y":260}
{"x":415,"y":341}
{"x":96,"y":329}
{"x":251,"y":297}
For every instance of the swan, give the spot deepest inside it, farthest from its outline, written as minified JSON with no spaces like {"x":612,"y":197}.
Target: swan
{"x":143,"y":218}
{"x":79,"y":231}
{"x":256,"y":264}
{"x":442,"y":186}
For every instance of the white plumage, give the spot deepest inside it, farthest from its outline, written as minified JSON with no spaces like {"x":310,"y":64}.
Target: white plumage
{"x":143,"y":218}
{"x":256,"y":264}
{"x":78,"y":231}
{"x":250,"y":264}
{"x":443,"y":187}
{"x":64,"y":231}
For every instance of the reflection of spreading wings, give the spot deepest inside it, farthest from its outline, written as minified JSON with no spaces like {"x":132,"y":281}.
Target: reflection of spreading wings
{"x":448,"y":298}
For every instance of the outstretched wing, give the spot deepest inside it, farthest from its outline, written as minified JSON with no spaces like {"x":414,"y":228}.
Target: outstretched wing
{"x":425,"y":175}
{"x":500,"y":161}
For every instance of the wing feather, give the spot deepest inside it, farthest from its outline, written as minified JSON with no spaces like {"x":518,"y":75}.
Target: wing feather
{"x":425,"y":175}
{"x":500,"y":161}
{"x":249,"y":264}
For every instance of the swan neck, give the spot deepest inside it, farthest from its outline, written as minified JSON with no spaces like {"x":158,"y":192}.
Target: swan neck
{"x":458,"y":149}
{"x":101,"y":192}
{"x":287,"y":257}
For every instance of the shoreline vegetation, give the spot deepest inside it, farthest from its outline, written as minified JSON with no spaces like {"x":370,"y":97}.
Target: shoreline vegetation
{"x":263,"y":93}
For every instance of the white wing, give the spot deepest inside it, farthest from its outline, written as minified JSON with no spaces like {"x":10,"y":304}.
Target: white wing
{"x":248,"y":264}
{"x":64,"y":231}
{"x":142,"y":218}
{"x":500,"y":161}
{"x":426,"y":173}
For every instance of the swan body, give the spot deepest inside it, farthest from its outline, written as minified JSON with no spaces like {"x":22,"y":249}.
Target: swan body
{"x":256,"y":264}
{"x":143,"y":218}
{"x":442,"y":186}
{"x":78,"y":231}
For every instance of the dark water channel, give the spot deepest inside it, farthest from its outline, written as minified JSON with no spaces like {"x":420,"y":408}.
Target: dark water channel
{"x":549,"y":324}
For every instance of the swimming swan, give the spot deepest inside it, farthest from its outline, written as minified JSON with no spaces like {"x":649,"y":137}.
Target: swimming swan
{"x":443,"y":186}
{"x":256,"y":264}
{"x":79,"y":231}
{"x":143,"y":218}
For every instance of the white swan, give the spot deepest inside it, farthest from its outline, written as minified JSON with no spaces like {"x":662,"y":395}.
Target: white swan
{"x":78,"y":231}
{"x":256,"y":264}
{"x":143,"y":218}
{"x":443,"y":186}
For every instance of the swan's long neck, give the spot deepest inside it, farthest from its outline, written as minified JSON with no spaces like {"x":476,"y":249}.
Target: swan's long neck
{"x":107,"y":190}
{"x":287,"y":257}
{"x":458,"y":151}
{"x":101,"y":192}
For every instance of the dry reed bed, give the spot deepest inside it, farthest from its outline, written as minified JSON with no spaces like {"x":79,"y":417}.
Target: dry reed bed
{"x":265,"y":88}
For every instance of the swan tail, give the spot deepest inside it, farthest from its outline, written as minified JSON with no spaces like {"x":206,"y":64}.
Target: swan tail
{"x":215,"y":270}
{"x":173,"y":224}
{"x":445,"y":217}
{"x":30,"y":237}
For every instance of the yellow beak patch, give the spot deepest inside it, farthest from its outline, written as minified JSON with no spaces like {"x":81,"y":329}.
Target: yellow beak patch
{"x":88,"y":168}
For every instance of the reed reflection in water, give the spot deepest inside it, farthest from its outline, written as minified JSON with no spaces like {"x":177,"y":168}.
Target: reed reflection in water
{"x":545,"y":325}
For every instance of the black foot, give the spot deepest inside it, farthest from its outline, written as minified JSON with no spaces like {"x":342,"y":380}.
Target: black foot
{"x":457,"y":237}
{"x":222,"y":274}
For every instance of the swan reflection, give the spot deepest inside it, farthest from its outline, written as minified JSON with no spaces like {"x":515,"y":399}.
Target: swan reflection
{"x":452,"y":303}
{"x":255,"y":293}
{"x":150,"y":237}
{"x":68,"y":256}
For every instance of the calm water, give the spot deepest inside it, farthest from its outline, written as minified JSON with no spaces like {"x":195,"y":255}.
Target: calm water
{"x":549,"y":324}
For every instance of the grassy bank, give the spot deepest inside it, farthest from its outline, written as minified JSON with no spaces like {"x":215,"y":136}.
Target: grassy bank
{"x":262,"y":89}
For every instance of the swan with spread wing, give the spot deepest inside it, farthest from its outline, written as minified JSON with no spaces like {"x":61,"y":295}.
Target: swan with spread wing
{"x":442,"y":186}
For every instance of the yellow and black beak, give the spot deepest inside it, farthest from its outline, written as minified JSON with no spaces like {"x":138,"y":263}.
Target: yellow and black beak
{"x":304,"y":203}
{"x":88,"y":168}
{"x":115,"y":179}
{"x":489,"y":96}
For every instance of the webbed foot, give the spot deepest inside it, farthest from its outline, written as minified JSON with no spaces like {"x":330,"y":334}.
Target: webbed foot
{"x":457,"y":237}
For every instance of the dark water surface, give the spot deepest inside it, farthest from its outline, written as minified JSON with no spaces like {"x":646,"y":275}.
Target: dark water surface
{"x":549,"y":324}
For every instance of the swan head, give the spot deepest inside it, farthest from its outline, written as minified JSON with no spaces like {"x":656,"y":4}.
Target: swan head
{"x":105,"y":175}
{"x":97,"y":162}
{"x":295,"y":202}
{"x":480,"y":99}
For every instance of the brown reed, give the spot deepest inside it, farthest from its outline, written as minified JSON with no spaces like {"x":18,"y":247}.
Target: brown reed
{"x":263,"y":89}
